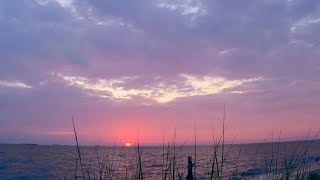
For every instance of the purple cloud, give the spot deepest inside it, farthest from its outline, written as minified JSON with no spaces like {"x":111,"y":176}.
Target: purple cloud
{"x":159,"y":61}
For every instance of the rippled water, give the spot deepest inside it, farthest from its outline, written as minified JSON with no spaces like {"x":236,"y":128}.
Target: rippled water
{"x":247,"y":160}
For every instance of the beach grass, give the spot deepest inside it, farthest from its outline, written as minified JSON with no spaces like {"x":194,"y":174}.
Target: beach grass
{"x":279,"y":164}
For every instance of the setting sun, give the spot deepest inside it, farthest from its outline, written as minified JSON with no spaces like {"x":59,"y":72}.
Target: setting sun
{"x":127,"y":144}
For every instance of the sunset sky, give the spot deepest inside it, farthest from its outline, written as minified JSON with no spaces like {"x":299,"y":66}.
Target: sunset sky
{"x":162,"y":64}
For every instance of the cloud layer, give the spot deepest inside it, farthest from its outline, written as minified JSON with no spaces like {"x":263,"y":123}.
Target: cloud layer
{"x":158,"y":61}
{"x":162,"y":92}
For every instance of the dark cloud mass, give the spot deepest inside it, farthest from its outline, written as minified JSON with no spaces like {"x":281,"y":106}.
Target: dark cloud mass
{"x":113,"y":62}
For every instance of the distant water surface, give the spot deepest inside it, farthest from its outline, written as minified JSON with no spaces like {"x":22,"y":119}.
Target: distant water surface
{"x":245,"y":160}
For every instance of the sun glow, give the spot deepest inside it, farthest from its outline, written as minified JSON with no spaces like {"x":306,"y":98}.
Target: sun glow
{"x":128,"y":144}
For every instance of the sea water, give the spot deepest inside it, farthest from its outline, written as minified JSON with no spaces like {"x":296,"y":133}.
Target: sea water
{"x":249,"y":161}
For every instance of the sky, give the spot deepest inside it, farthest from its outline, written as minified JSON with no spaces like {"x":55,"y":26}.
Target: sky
{"x":160,"y":66}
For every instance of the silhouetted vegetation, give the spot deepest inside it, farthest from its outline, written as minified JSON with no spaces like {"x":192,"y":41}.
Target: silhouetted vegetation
{"x":279,"y":163}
